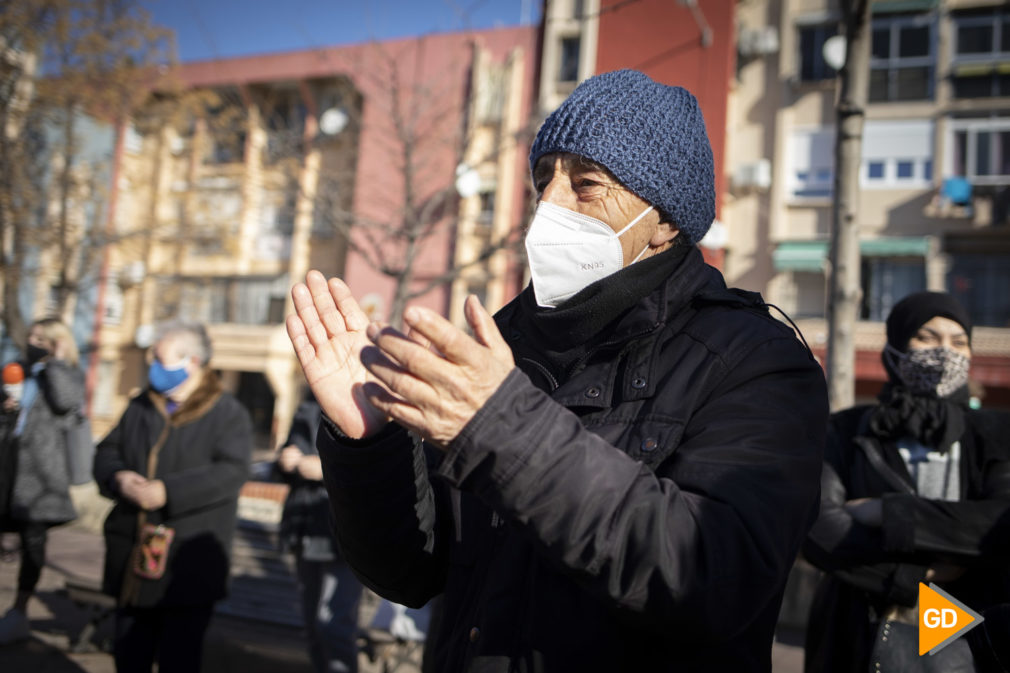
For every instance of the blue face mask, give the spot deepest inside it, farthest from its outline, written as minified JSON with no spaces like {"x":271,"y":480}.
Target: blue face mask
{"x":166,"y":379}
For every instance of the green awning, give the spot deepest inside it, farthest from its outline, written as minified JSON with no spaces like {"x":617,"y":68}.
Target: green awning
{"x":800,"y":256}
{"x":898,"y":6}
{"x":897,"y":246}
{"x":811,"y":255}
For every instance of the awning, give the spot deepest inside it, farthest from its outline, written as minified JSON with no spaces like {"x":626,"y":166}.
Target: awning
{"x":898,"y":6}
{"x":800,"y":256}
{"x":811,"y":255}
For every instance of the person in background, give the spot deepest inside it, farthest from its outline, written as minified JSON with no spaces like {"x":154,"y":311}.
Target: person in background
{"x":174,"y":465}
{"x":616,"y":472}
{"x":330,"y":592}
{"x":52,"y":392}
{"x":914,"y":488}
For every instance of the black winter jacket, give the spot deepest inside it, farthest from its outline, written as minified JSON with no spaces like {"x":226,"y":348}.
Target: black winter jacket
{"x":640,"y":516}
{"x":871,"y":569}
{"x":203,"y":456}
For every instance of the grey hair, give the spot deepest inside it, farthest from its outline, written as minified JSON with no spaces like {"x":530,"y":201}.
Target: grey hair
{"x":194,"y":336}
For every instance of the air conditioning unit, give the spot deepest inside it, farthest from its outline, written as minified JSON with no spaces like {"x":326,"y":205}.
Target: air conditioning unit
{"x":755,"y":175}
{"x":757,"y":41}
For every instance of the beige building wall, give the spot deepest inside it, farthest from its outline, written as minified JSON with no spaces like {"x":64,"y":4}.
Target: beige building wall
{"x":773,"y":112}
{"x":183,"y":222}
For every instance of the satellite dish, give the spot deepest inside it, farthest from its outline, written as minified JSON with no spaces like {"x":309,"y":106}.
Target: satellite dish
{"x":144,"y":336}
{"x":716,"y":238}
{"x":833,"y":51}
{"x":467,"y":181}
{"x":333,"y":121}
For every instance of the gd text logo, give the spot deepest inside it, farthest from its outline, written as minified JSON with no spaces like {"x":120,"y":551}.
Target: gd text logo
{"x":942,"y":619}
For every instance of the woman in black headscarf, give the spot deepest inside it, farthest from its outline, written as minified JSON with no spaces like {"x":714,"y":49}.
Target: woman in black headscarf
{"x":914,"y":489}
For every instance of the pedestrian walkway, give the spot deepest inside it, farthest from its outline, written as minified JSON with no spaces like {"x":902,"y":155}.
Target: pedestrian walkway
{"x":234,"y":645}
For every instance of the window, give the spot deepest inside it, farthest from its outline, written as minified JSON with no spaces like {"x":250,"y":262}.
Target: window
{"x":812,"y":65}
{"x":886,"y":280}
{"x":981,"y":150}
{"x":897,"y":154}
{"x":980,"y":35}
{"x":569,"y":66}
{"x":981,"y":52}
{"x":245,"y":300}
{"x":226,"y":122}
{"x":486,"y":216}
{"x":578,"y":8}
{"x":979,"y":282}
{"x":902,"y":59}
{"x":284,"y":114}
{"x":812,"y":158}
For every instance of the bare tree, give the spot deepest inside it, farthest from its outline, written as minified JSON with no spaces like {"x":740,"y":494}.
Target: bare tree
{"x":65,"y":61}
{"x":844,"y":294}
{"x":417,"y":127}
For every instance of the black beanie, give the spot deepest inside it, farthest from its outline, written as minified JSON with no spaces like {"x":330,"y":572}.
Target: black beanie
{"x":915,"y":310}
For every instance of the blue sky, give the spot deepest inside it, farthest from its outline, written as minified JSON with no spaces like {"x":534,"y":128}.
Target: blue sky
{"x":207,"y":29}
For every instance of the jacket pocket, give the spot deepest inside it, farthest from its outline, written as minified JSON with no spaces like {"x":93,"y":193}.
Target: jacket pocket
{"x":648,"y":439}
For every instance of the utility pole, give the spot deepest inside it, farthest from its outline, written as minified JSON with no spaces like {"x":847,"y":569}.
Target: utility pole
{"x":844,"y":293}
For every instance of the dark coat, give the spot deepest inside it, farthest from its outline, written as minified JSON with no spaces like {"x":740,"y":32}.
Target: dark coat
{"x":203,"y":453}
{"x":41,"y":483}
{"x":871,"y":569}
{"x":641,"y":516}
{"x":306,"y":529}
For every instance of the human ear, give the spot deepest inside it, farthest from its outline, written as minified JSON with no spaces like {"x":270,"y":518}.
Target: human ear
{"x":665,"y":233}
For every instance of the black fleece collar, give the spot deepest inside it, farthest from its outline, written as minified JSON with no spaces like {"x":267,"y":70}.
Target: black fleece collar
{"x":559,"y":338}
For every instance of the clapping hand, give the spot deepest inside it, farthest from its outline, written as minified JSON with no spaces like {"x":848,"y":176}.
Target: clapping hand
{"x":431,"y":380}
{"x":327,"y":331}
{"x":434,"y":379}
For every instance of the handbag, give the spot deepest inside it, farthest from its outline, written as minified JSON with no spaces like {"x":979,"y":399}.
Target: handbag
{"x":896,"y":650}
{"x":150,"y":556}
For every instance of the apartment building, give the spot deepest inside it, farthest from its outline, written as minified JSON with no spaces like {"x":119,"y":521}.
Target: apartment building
{"x":253,"y":170}
{"x":935,"y":171}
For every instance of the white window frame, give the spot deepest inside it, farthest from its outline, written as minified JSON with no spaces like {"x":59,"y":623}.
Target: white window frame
{"x":973,"y":127}
{"x":810,"y":177}
{"x":892,"y":142}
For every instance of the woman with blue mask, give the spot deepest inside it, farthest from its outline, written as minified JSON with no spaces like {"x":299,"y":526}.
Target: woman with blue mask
{"x":52,"y":393}
{"x":174,"y":464}
{"x":914,"y":489}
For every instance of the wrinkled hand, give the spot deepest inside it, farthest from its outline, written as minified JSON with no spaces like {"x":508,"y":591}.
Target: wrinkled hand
{"x":128,"y":485}
{"x":436,"y":379}
{"x":10,"y":404}
{"x":151,"y":495}
{"x":288,"y":458}
{"x":867,"y":511}
{"x":328,"y":333}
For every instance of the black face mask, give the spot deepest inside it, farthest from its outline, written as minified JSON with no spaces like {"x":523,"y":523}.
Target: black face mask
{"x":35,"y":353}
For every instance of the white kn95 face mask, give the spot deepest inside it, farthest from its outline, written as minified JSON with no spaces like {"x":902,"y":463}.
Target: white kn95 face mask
{"x":568,"y":251}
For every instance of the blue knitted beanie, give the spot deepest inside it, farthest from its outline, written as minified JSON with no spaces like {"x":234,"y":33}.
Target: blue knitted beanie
{"x":649,"y":135}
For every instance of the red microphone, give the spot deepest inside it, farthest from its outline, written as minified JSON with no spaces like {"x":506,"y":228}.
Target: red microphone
{"x":13,"y":381}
